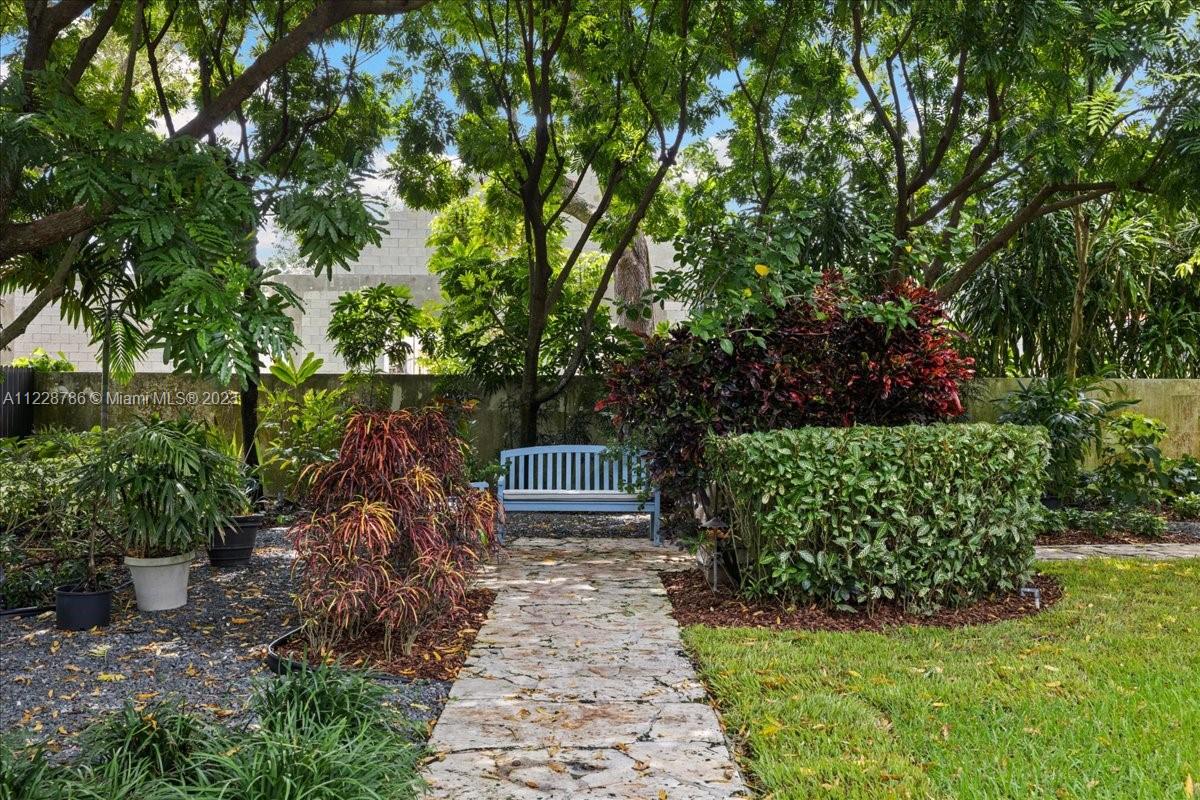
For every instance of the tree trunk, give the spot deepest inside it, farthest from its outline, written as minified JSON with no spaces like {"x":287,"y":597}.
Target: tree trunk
{"x":49,"y":293}
{"x":1083,"y":248}
{"x":527,"y":434}
{"x":630,"y":283}
{"x":527,"y":425}
{"x":632,"y":278}
{"x":248,"y":397}
{"x":248,"y":392}
{"x":106,"y":361}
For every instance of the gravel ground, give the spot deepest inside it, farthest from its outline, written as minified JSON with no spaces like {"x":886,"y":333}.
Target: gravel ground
{"x":562,"y":526}
{"x":54,"y":683}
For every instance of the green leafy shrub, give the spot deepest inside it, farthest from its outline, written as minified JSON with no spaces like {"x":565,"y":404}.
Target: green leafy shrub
{"x":1183,"y":476}
{"x":321,"y":696}
{"x":324,"y":733}
{"x":1073,"y":413}
{"x":44,"y":524}
{"x":300,"y":427}
{"x":925,"y":516}
{"x":24,"y":773}
{"x":41,"y":361}
{"x":113,"y":778}
{"x":160,"y":741}
{"x":374,"y":322}
{"x":338,"y":761}
{"x":1187,"y":506}
{"x":1132,"y":469}
{"x":318,"y":734}
{"x":1105,"y":522}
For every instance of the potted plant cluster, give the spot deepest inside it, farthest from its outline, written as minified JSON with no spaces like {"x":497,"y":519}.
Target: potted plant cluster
{"x":171,"y":490}
{"x":53,"y":533}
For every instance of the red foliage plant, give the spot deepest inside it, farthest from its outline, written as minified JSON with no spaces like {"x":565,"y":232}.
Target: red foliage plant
{"x":832,"y":359}
{"x":396,"y":533}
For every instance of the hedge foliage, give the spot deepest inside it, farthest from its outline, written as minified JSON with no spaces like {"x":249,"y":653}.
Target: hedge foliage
{"x":923,"y":515}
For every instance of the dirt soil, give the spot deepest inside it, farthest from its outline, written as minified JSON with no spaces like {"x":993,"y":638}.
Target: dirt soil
{"x":697,"y":604}
{"x":1112,"y":537}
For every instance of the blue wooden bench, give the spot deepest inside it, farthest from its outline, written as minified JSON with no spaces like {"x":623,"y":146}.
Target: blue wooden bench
{"x":575,"y":477}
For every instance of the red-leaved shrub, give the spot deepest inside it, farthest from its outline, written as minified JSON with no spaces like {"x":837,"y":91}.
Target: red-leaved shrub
{"x":396,"y":532}
{"x":833,"y":359}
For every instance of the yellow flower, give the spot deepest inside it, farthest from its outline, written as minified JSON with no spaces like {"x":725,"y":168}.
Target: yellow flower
{"x":762,"y":269}
{"x":908,"y":248}
{"x":746,"y":292}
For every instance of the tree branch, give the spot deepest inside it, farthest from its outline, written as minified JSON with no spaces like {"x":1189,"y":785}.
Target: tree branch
{"x":18,"y":239}
{"x":91,"y":43}
{"x":1027,"y":214}
{"x":325,"y":16}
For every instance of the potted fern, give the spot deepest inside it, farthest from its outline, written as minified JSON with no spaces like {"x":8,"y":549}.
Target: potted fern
{"x":172,"y":490}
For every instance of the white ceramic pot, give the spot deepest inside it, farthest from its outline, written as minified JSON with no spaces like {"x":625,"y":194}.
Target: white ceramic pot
{"x":160,"y":583}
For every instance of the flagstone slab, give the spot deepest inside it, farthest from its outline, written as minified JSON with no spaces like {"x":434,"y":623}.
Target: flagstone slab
{"x":1165,"y":551}
{"x":578,"y":686}
{"x":649,"y":770}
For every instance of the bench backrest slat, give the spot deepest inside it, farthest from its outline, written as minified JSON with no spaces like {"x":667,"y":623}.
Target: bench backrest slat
{"x":570,"y":467}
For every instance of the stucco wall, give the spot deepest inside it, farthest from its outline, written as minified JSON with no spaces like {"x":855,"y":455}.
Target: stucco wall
{"x":71,"y":400}
{"x":1176,"y":402}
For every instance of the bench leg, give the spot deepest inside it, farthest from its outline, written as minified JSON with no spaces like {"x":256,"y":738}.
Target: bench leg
{"x":654,"y":534}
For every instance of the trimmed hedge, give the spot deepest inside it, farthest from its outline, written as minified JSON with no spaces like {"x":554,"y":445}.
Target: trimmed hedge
{"x":923,"y":515}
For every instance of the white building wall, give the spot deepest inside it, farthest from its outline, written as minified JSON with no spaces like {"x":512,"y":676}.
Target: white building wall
{"x":401,"y":257}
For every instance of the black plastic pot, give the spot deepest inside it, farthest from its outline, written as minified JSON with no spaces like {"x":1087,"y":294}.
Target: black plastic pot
{"x":81,"y":611}
{"x":238,"y":545}
{"x":282,"y":665}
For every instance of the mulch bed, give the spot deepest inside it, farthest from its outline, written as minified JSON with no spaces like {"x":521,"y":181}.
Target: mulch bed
{"x":438,"y":653}
{"x":697,"y":604}
{"x":1064,"y":538}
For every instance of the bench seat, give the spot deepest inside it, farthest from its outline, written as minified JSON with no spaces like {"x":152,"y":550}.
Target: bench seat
{"x":570,"y":495}
{"x":575,"y":478}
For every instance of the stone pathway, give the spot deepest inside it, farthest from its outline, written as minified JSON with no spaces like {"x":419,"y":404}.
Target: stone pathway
{"x":578,"y":686}
{"x":1153,"y":552}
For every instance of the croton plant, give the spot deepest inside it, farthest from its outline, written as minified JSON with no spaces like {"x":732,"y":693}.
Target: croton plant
{"x":833,"y":358}
{"x":396,"y":533}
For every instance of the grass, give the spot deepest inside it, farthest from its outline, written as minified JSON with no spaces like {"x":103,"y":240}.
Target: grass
{"x":1098,"y":697}
{"x":321,"y":734}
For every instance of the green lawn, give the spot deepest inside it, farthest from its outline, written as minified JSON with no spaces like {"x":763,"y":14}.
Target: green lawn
{"x":1097,"y":698}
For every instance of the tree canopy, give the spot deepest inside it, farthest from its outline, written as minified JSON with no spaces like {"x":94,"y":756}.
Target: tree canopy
{"x":147,"y":141}
{"x":542,"y":99}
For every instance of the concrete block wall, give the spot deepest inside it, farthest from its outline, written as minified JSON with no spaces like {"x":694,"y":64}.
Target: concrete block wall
{"x":49,"y":332}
